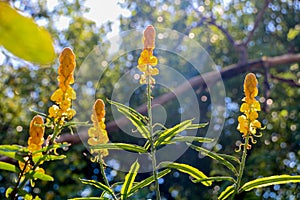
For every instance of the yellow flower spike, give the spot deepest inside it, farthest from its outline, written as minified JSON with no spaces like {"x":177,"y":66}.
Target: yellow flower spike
{"x":147,"y":61}
{"x":97,"y":133}
{"x":248,"y":123}
{"x":35,"y":140}
{"x":36,"y":132}
{"x":64,"y":95}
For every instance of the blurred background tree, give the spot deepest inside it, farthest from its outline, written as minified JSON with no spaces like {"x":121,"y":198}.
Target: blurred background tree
{"x":234,"y":33}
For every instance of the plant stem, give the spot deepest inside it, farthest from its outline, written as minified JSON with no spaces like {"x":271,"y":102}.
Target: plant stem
{"x":104,"y":176}
{"x":242,"y":166}
{"x":153,"y":150}
{"x":20,"y":184}
{"x":15,"y":190}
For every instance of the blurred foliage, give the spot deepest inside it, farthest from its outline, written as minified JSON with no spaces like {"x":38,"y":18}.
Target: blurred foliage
{"x":24,"y":85}
{"x":17,"y":32}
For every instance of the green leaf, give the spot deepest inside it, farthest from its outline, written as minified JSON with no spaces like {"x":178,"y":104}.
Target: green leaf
{"x":24,"y":38}
{"x":192,"y":171}
{"x":137,"y":119}
{"x":12,"y":151}
{"x":293,"y":32}
{"x":98,"y":185}
{"x":215,"y":156}
{"x":121,"y":146}
{"x":170,"y":133}
{"x":228,"y":157}
{"x":226,"y":193}
{"x":271,"y":180}
{"x":142,"y":129}
{"x":39,"y":175}
{"x":52,"y":147}
{"x":197,"y":126}
{"x":44,"y":158}
{"x":9,"y":167}
{"x":148,"y":181}
{"x":189,"y":139}
{"x":218,"y":178}
{"x":8,"y":192}
{"x":129,"y":179}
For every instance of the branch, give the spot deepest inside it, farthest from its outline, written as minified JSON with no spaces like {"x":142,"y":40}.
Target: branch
{"x":257,"y":21}
{"x":267,"y":87}
{"x":210,"y":78}
{"x":223,"y":30}
{"x":291,"y":82}
{"x":212,"y":21}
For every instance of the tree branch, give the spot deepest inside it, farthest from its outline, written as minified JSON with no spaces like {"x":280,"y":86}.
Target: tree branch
{"x":291,"y":82}
{"x":223,"y":30}
{"x":257,"y":21}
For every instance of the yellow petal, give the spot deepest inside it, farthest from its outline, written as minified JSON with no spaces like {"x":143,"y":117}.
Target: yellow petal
{"x":245,"y":107}
{"x":256,"y":105}
{"x":153,"y":61}
{"x":57,"y":96}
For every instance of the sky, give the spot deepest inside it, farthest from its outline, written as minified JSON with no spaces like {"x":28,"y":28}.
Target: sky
{"x":100,"y":11}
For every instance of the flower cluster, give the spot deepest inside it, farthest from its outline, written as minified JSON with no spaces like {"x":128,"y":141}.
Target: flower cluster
{"x":97,"y":133}
{"x":248,"y":122}
{"x":35,"y":141}
{"x":147,"y":61}
{"x":64,"y":95}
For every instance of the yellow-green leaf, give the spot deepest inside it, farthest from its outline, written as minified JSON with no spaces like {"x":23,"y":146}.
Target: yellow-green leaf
{"x":188,"y":139}
{"x":137,"y":119}
{"x":121,"y":146}
{"x":24,"y":38}
{"x":8,"y":192}
{"x":293,"y":32}
{"x":129,"y":179}
{"x":271,"y":180}
{"x":192,"y":171}
{"x":8,"y":167}
{"x":197,"y":126}
{"x":215,"y":156}
{"x":169,"y":134}
{"x":39,"y":175}
{"x":217,"y":178}
{"x":148,"y":181}
{"x":226,"y":193}
{"x":97,"y":184}
{"x":13,"y":151}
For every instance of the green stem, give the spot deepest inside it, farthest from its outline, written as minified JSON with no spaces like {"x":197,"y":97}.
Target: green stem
{"x":20,"y":185}
{"x":15,"y":190}
{"x":242,"y":166}
{"x":104,"y":176}
{"x":153,"y":150}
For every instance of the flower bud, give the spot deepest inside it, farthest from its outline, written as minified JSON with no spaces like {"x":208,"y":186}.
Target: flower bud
{"x":149,"y":38}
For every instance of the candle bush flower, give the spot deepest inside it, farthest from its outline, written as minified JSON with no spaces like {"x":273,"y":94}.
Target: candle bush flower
{"x":147,"y":61}
{"x":97,"y":133}
{"x":31,"y":159}
{"x":248,"y":123}
{"x":64,"y":95}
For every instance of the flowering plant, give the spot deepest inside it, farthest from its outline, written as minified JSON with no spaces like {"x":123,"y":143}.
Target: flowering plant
{"x":32,"y":159}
